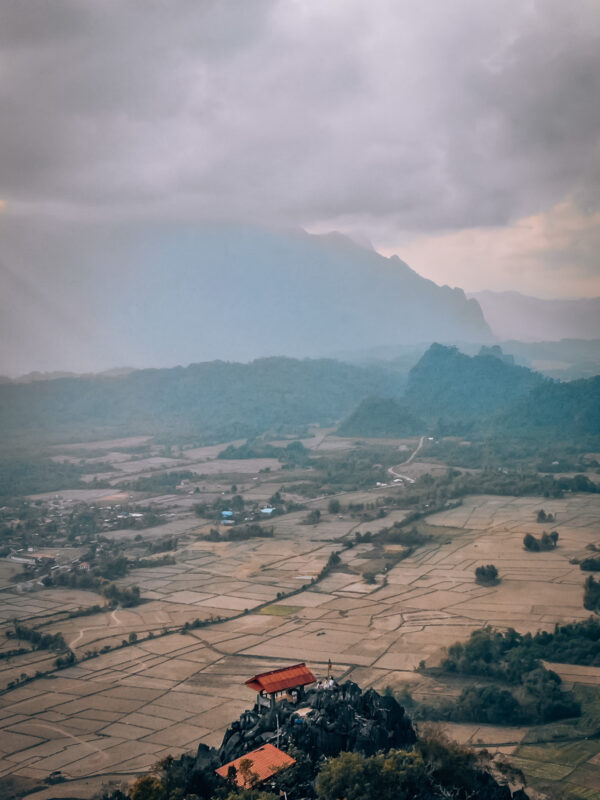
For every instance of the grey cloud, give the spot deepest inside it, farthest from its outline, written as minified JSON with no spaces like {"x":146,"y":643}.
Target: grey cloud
{"x":413,"y":116}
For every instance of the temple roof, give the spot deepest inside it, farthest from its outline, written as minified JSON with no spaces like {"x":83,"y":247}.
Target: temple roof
{"x":278,"y":680}
{"x":264,"y":762}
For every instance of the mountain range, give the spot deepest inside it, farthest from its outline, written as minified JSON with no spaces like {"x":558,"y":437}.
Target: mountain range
{"x":447,"y":392}
{"x":162,"y":296}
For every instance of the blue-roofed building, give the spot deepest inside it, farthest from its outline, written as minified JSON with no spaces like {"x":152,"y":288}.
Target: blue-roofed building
{"x":227,"y":514}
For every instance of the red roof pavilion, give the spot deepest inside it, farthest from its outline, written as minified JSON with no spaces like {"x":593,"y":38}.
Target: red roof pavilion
{"x":278,"y":680}
{"x":264,"y":762}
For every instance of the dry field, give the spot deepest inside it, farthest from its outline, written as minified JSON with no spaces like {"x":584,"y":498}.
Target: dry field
{"x":117,"y":714}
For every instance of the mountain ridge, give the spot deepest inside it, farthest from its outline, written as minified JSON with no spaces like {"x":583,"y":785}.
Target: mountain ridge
{"x":180,"y":294}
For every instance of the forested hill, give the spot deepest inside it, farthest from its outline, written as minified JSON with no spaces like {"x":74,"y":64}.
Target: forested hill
{"x":214,"y":400}
{"x":452,"y":393}
{"x":569,"y":409}
{"x":377,"y":417}
{"x":447,"y":383}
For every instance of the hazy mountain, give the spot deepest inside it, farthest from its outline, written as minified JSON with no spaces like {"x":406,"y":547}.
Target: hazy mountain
{"x":447,"y":383}
{"x":481,"y":395}
{"x":30,"y":377}
{"x":158,"y":295}
{"x":566,"y":359}
{"x":516,"y":316}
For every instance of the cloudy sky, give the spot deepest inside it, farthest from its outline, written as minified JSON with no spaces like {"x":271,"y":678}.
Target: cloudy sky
{"x":462,"y":135}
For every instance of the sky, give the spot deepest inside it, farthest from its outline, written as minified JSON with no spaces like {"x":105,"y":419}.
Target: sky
{"x":462,"y":135}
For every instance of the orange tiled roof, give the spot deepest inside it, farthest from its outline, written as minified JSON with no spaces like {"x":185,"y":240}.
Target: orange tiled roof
{"x":265,"y":762}
{"x":278,"y":680}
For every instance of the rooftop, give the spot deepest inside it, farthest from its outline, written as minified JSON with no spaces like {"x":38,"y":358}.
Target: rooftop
{"x":264,"y":762}
{"x":278,"y":680}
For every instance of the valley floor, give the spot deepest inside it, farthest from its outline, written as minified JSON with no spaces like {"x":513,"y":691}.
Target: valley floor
{"x":113,"y":716}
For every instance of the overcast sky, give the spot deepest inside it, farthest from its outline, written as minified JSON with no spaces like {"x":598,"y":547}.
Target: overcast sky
{"x":462,"y":135}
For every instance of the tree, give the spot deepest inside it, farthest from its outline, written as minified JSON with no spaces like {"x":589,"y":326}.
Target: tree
{"x":541,"y":515}
{"x":549,"y":541}
{"x":250,"y":777}
{"x":397,"y":775}
{"x":531,"y":543}
{"x":591,"y":594}
{"x":237,"y":502}
{"x":487,"y":574}
{"x":148,"y":788}
{"x":334,"y":506}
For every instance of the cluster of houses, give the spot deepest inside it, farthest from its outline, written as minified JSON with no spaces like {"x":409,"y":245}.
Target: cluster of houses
{"x":229,"y":518}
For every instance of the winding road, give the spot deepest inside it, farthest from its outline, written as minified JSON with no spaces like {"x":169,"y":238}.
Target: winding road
{"x":392,"y":470}
{"x":79,"y":636}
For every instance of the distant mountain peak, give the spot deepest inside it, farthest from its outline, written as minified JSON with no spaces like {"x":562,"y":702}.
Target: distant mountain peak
{"x":512,"y":315}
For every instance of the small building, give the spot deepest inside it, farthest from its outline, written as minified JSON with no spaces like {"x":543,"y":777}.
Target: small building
{"x":288,"y":682}
{"x":226,"y":514}
{"x":267,"y":511}
{"x":256,"y":766}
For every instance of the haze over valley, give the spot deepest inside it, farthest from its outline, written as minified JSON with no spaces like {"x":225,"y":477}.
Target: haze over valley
{"x":299,"y":400}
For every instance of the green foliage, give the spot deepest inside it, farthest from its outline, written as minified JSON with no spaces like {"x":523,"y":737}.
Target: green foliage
{"x":484,"y":394}
{"x":591,"y":564}
{"x":447,"y":384}
{"x":394,"y":776}
{"x":377,"y":417}
{"x":547,"y":541}
{"x":148,"y":787}
{"x":251,"y":794}
{"x":435,"y":769}
{"x":252,"y":531}
{"x":572,"y":409}
{"x":398,"y":533}
{"x":488,"y":704}
{"x":486,"y":575}
{"x":513,"y":659}
{"x":39,"y":640}
{"x":591,"y":594}
{"x":20,"y":477}
{"x":126,"y":596}
{"x":162,"y":482}
{"x":508,"y":655}
{"x":292,"y":455}
{"x":313,"y":517}
{"x":195,"y":402}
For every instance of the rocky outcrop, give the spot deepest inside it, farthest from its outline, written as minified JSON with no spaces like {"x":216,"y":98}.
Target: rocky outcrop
{"x":326,"y":723}
{"x":339,"y":719}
